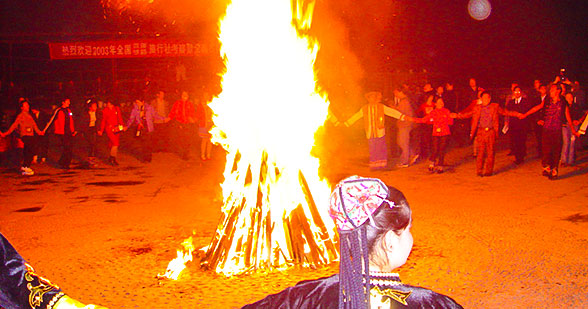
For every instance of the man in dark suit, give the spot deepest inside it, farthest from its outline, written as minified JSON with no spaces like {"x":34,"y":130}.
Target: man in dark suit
{"x":471,"y":94}
{"x":450,"y":98}
{"x":518,"y":128}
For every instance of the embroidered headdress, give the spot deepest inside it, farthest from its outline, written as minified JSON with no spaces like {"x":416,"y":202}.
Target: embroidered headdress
{"x":353,"y":201}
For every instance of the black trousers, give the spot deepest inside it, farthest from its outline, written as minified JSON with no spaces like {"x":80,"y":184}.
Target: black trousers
{"x":552,"y":143}
{"x":439,"y":148}
{"x":28,"y":150}
{"x":160,"y":137}
{"x":92,"y":139}
{"x":146,"y":142}
{"x":42,"y":146}
{"x":539,"y":136}
{"x":518,"y":140}
{"x":425,"y":140}
{"x":460,"y":132}
{"x":66,"y":141}
{"x":183,"y":137}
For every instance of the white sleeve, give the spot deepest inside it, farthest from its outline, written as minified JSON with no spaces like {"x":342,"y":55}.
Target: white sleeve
{"x":394,"y":113}
{"x":354,"y":118}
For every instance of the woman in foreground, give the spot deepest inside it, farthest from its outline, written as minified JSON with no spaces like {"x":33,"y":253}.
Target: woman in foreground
{"x":374,"y":222}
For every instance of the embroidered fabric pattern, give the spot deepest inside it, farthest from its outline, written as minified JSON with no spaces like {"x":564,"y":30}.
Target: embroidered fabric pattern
{"x":381,"y":298}
{"x":40,"y":289}
{"x":54,"y":300}
{"x":355,"y":199}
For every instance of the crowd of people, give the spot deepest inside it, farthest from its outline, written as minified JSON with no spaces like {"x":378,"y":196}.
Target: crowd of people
{"x":155,"y":125}
{"x":428,"y":121}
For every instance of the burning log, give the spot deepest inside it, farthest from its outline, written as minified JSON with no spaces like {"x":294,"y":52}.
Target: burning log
{"x":274,"y":212}
{"x":246,"y":238}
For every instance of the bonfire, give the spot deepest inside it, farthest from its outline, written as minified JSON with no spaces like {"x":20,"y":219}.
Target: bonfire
{"x":274,"y":213}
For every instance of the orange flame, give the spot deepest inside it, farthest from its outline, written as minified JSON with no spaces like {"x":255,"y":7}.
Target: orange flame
{"x":177,"y":265}
{"x":266,"y":118}
{"x":274,"y":212}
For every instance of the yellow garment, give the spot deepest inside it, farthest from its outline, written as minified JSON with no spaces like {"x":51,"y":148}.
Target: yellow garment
{"x":373,"y":115}
{"x":373,"y":120}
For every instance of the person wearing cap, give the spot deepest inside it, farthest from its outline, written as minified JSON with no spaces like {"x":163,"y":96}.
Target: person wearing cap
{"x":373,"y":115}
{"x":22,"y":287}
{"x":26,"y":128}
{"x":373,"y":221}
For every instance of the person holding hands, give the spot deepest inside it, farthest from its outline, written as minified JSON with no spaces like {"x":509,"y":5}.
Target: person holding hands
{"x":27,"y":127}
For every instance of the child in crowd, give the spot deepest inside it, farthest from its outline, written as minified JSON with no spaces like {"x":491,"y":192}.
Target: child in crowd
{"x":440,"y":120}
{"x":424,"y":130}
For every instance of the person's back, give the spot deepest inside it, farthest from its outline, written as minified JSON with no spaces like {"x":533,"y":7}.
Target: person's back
{"x":385,"y":293}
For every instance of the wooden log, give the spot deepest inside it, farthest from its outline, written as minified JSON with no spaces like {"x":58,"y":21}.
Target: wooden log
{"x":317,"y":219}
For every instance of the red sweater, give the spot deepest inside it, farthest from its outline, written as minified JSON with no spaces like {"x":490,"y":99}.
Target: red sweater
{"x":440,"y":120}
{"x":59,"y":120}
{"x":182,"y":111}
{"x":110,"y":118}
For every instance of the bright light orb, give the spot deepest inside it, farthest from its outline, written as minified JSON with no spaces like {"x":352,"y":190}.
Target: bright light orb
{"x":479,"y":9}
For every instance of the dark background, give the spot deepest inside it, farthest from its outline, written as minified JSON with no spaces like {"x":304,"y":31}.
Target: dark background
{"x":520,"y":41}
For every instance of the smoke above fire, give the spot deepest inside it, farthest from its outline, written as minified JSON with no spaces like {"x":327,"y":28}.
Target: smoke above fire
{"x":347,"y":31}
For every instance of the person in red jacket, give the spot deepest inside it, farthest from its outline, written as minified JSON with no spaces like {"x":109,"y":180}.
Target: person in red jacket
{"x":184,"y":114}
{"x":441,"y":120}
{"x":112,"y":124}
{"x":63,"y":122}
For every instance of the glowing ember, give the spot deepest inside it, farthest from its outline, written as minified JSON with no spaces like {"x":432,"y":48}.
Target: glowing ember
{"x":265,"y":118}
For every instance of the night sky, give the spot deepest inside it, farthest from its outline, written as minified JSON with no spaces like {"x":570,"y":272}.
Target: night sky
{"x":521,"y":40}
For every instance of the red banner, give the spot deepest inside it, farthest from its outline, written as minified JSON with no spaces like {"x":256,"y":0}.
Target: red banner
{"x":127,"y":49}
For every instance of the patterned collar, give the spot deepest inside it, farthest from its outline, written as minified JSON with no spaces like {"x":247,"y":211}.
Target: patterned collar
{"x":384,"y":280}
{"x":385,"y":293}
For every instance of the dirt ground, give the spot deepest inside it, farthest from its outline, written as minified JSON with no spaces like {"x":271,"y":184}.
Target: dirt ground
{"x":515,"y":239}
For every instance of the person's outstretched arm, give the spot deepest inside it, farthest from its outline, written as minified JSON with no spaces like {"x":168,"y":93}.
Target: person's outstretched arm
{"x":21,"y":287}
{"x":354,"y":118}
